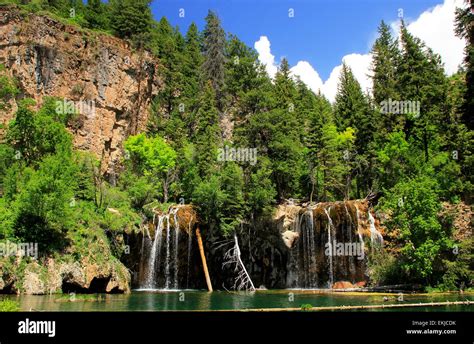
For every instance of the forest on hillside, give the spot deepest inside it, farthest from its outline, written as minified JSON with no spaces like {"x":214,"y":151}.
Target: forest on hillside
{"x":233,"y":142}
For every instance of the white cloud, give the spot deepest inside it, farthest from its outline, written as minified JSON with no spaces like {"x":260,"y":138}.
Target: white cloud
{"x":330,"y":86}
{"x":435,"y":27}
{"x":308,"y":75}
{"x":360,"y":66}
{"x":265,"y":55}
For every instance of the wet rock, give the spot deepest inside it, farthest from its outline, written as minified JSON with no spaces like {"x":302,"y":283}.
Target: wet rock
{"x":289,"y":238}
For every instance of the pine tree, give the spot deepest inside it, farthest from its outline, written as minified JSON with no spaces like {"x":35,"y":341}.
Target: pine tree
{"x":352,"y":110}
{"x":320,"y":113}
{"x":207,"y":133}
{"x":385,"y":58}
{"x":96,"y":15}
{"x":465,"y":29}
{"x":422,"y":79}
{"x":131,"y":19}
{"x":169,"y":107}
{"x":284,"y":145}
{"x":193,"y":61}
{"x":214,"y":53}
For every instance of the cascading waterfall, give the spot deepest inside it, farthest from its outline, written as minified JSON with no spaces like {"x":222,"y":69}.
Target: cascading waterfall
{"x":375,"y":235}
{"x":326,"y":243}
{"x":176,"y":244}
{"x":350,"y":235}
{"x":169,"y":279}
{"x":190,"y":246}
{"x":154,"y":255}
{"x":359,"y":233}
{"x":306,"y":228}
{"x":331,"y":269}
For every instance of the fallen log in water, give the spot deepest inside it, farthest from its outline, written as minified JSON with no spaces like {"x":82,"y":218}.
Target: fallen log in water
{"x":203,"y":258}
{"x":358,"y":307}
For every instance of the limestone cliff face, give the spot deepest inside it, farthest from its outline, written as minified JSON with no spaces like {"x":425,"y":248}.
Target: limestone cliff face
{"x":109,"y":85}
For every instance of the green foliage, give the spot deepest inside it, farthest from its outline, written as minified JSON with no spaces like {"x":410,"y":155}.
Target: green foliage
{"x":35,"y":136}
{"x":8,"y":88}
{"x":459,"y":270}
{"x":9,"y":306}
{"x":307,"y":147}
{"x":214,"y":54}
{"x":96,"y":15}
{"x":150,"y":155}
{"x":150,"y":167}
{"x":131,"y":19}
{"x":415,"y":205}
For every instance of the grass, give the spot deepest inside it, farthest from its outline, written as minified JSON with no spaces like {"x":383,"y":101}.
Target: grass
{"x":9,"y":306}
{"x":73,"y":297}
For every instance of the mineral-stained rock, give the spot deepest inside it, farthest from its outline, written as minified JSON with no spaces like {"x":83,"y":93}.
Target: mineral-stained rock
{"x":56,"y":277}
{"x":343,"y":285}
{"x":32,"y":283}
{"x":289,"y":238}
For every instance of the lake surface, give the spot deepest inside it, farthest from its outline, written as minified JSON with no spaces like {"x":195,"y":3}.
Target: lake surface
{"x":193,"y":300}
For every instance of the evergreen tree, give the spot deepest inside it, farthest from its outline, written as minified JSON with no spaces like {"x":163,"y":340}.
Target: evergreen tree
{"x":96,"y":15}
{"x":385,"y":59}
{"x":283,"y":144}
{"x":422,"y":79}
{"x":214,"y":54}
{"x":207,"y":133}
{"x":465,"y":29}
{"x":193,"y":62}
{"x":168,"y":108}
{"x":352,"y":110}
{"x":131,"y":19}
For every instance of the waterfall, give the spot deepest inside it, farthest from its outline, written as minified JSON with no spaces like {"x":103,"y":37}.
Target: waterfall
{"x":168,"y":253}
{"x":350,"y":227}
{"x":312,"y":250}
{"x":190,"y":245}
{"x":154,"y":254}
{"x":359,"y":233}
{"x":374,"y":233}
{"x":170,"y":277}
{"x":176,"y":245}
{"x":331,"y":269}
{"x":306,"y":228}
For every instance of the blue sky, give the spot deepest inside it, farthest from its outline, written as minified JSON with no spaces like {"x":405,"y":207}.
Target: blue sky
{"x":321,"y":31}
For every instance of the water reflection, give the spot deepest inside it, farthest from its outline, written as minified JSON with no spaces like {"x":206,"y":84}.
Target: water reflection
{"x":203,"y":300}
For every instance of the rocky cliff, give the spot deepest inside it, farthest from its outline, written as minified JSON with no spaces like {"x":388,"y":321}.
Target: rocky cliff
{"x":108,"y":84}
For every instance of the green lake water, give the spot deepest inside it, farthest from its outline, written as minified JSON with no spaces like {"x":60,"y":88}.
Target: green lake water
{"x":220,"y":300}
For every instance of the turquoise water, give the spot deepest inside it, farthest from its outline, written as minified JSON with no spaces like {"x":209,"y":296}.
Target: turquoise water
{"x":220,"y":300}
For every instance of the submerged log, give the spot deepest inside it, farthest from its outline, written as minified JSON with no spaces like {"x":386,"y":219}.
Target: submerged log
{"x":203,"y":258}
{"x":359,"y":307}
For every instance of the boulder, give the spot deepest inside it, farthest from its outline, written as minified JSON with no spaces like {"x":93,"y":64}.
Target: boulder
{"x":343,"y":285}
